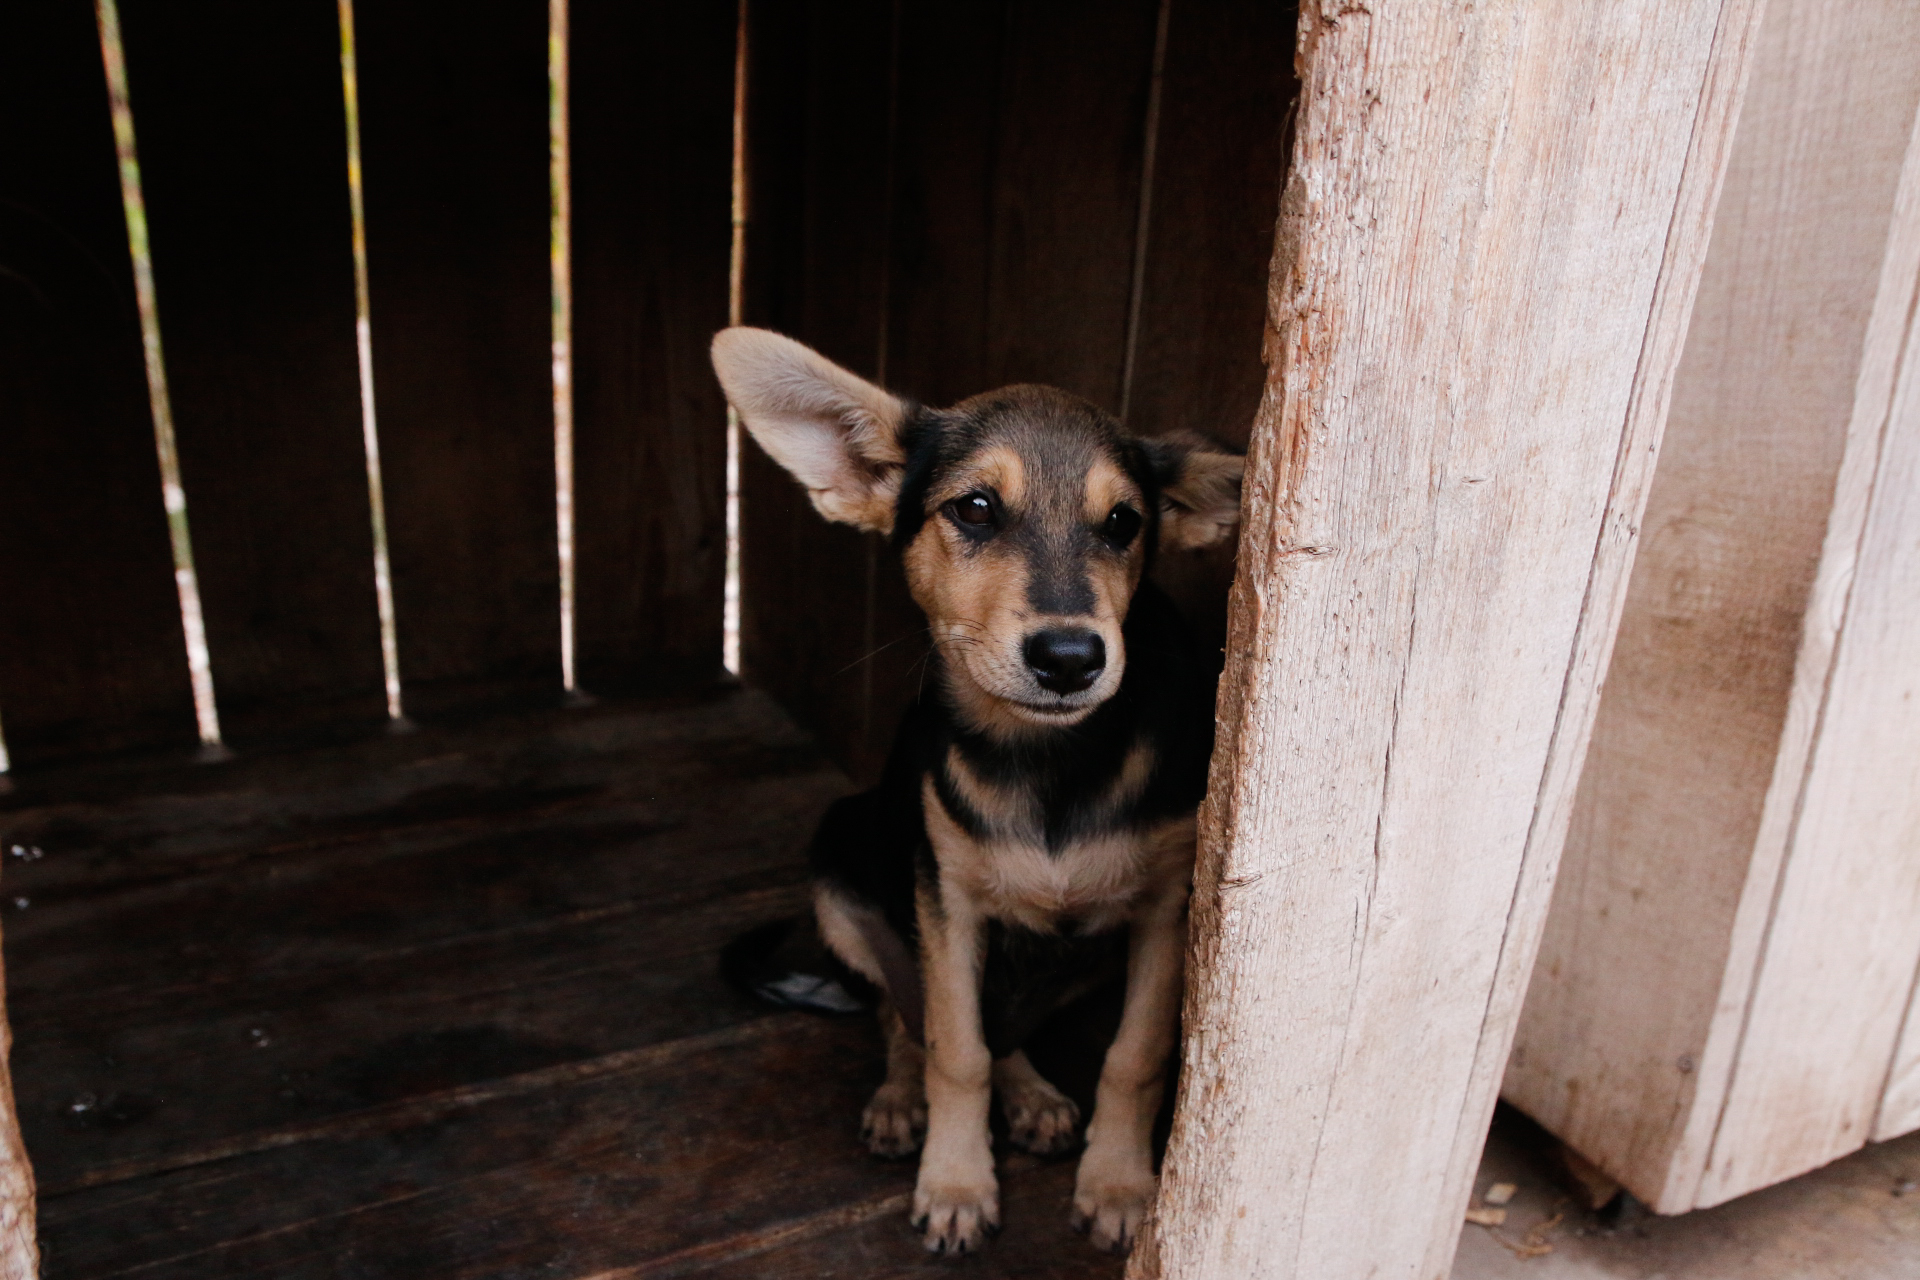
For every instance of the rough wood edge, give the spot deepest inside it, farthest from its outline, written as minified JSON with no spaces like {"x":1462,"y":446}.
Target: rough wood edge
{"x":19,"y":1246}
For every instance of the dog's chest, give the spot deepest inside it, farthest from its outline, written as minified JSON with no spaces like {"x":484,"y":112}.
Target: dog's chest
{"x":1081,"y":883}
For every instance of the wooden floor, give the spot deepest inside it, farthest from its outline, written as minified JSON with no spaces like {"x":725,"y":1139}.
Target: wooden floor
{"x":445,"y":1004}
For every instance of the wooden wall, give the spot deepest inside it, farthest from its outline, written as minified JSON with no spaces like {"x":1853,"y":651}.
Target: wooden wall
{"x":239,"y":115}
{"x":948,"y":197}
{"x":1732,"y":946}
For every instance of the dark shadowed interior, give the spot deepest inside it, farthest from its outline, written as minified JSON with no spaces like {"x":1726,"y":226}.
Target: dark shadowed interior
{"x":354,"y":1002}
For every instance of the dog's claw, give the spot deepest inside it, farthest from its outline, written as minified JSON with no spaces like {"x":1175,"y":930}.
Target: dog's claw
{"x":1110,"y":1213}
{"x":1042,"y":1120}
{"x":957,"y":1219}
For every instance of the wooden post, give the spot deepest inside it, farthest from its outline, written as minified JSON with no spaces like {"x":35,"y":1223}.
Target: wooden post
{"x":19,"y":1246}
{"x":1488,"y":249}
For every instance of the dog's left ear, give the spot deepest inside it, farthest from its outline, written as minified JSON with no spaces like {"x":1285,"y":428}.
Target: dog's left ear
{"x":837,"y":433}
{"x":1199,"y":489}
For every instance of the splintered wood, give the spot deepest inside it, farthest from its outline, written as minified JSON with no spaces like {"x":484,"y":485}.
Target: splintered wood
{"x":1488,"y":248}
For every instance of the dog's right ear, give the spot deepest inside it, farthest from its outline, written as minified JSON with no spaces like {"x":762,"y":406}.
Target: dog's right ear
{"x":837,"y":433}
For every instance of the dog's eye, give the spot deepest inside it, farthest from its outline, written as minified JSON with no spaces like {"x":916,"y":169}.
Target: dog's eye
{"x":974,"y":509}
{"x":1123,"y":523}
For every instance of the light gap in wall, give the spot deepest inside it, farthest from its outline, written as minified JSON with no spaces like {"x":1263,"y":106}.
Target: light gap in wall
{"x":736,"y":271}
{"x":561,"y":258}
{"x":186,"y":581}
{"x":363,"y":336}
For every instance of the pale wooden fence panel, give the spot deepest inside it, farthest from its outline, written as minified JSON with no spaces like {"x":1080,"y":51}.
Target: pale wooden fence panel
{"x":1900,"y":1108}
{"x":1488,"y":247}
{"x":1638,"y":1021}
{"x":1844,"y":942}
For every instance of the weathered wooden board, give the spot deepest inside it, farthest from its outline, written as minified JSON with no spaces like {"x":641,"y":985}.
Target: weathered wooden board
{"x":1687,"y":809}
{"x":1492,"y":231}
{"x":453,"y":121}
{"x":291,"y":947}
{"x":1219,"y":155}
{"x":91,"y":653}
{"x":1837,"y":975}
{"x":252,"y":241}
{"x":819,"y":175}
{"x":651,"y":140}
{"x":1900,"y":1107}
{"x":19,"y":1237}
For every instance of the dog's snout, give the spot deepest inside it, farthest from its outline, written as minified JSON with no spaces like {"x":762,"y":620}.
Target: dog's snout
{"x":1066,"y":660}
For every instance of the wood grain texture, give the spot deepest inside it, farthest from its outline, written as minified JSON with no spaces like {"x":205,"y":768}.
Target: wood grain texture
{"x":454,"y":146}
{"x":415,"y":912}
{"x":1837,"y":974}
{"x":19,"y":1239}
{"x":448,"y":1003}
{"x":1489,"y":242}
{"x":819,"y":106}
{"x":651,"y":137}
{"x":1715,"y":688}
{"x":1900,"y":1105}
{"x":1220,"y":154}
{"x":91,"y":653}
{"x":253,"y":269}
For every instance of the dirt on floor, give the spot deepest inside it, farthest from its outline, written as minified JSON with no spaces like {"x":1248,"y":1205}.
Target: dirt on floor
{"x":1856,"y":1219}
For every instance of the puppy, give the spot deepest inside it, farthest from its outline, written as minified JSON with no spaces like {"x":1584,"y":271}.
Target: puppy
{"x":1034,"y":827}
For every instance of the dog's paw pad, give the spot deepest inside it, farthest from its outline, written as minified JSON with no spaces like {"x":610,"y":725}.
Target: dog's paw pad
{"x":1110,"y":1213}
{"x":956,"y":1219}
{"x":894,"y":1123}
{"x":1041,"y":1119}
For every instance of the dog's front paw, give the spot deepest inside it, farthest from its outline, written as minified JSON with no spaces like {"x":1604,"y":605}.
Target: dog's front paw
{"x":894,"y":1122}
{"x":1110,"y":1206}
{"x":956,"y":1216}
{"x":1040,"y":1118}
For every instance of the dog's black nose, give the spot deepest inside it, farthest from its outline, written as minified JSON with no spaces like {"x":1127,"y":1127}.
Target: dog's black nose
{"x":1066,"y":661}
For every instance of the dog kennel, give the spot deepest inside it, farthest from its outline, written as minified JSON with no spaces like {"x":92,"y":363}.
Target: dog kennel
{"x":380,"y":796}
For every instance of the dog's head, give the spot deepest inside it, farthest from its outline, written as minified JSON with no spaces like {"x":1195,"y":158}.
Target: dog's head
{"x":1025,"y":516}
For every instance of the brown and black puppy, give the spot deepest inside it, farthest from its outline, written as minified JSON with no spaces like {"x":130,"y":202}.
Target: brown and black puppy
{"x":1035,"y":825}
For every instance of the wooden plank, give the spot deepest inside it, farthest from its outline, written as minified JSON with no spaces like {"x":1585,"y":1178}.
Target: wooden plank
{"x":866,"y":1241}
{"x":1074,"y":84}
{"x":560,"y":902}
{"x":454,"y":145}
{"x":819,"y":103}
{"x":1438,"y":515}
{"x":1900,"y":1105}
{"x":1221,"y":149}
{"x":1824,"y":1018}
{"x":19,"y":1239}
{"x":651,"y":139}
{"x":617,"y":1173}
{"x":1713,"y":698}
{"x":92,"y":658}
{"x":616,"y":1169}
{"x":253,"y":269}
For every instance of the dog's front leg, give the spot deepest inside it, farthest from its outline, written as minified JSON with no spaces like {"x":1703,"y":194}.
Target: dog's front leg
{"x":957,"y":1201}
{"x":1115,"y":1182}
